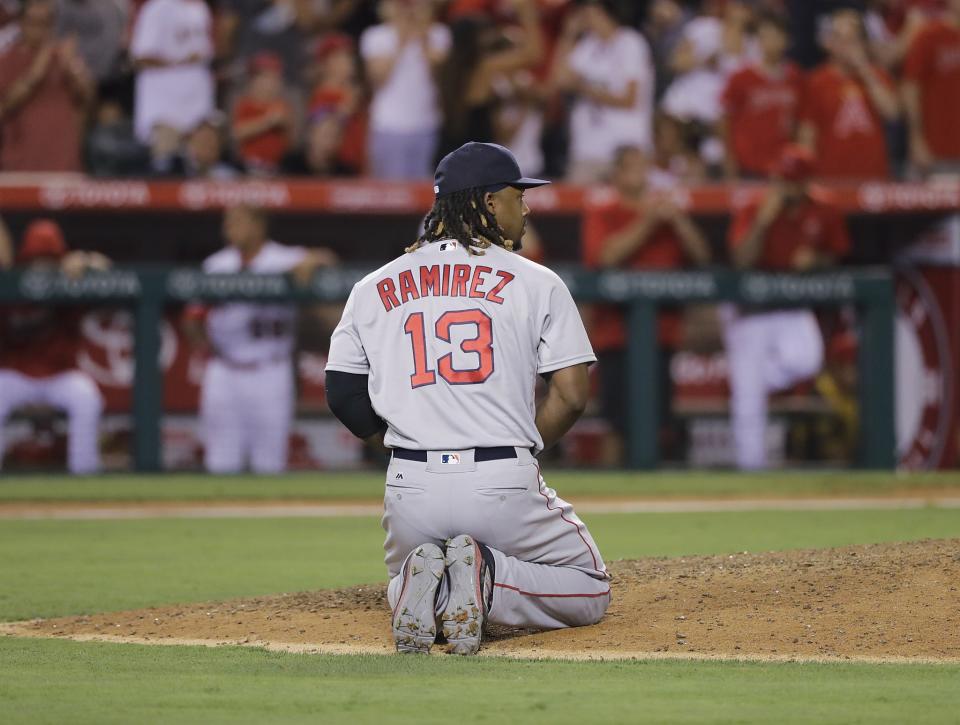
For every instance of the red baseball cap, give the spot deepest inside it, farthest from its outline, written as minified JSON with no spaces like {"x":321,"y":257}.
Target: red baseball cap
{"x":796,"y":163}
{"x":266,"y":60}
{"x":43,"y":238}
{"x":331,"y":43}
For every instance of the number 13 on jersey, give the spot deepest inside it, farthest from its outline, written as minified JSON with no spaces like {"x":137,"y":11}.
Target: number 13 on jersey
{"x":481,"y":344}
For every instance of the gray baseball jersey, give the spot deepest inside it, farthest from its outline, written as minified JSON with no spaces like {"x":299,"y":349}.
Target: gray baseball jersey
{"x":452,"y":343}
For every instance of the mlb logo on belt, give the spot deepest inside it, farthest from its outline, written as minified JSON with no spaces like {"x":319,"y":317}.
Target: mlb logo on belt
{"x":451,"y":459}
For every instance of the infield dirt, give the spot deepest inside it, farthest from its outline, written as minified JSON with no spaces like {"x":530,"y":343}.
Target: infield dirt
{"x":877,"y":602}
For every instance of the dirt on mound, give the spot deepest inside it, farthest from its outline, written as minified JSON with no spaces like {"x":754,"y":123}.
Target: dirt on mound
{"x":888,"y":601}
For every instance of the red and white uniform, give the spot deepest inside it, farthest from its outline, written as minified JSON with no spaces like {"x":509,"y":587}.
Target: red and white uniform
{"x":771,"y":350}
{"x":38,"y":366}
{"x":933,"y":63}
{"x":851,"y":140}
{"x":247,"y":397}
{"x":663,"y":250}
{"x":762,"y":110}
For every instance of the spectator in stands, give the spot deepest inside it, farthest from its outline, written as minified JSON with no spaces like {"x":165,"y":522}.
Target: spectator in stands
{"x":892,"y":25}
{"x":676,"y":154}
{"x":165,"y":151}
{"x":334,"y":77}
{"x":247,"y":397}
{"x":762,"y":102}
{"x":479,"y":58}
{"x":792,"y":229}
{"x":99,"y":28}
{"x":519,"y":120}
{"x":401,"y":57}
{"x":245,"y":28}
{"x":112,"y":148}
{"x":203,"y":154}
{"x":171,"y":50}
{"x":640,"y":228}
{"x":263,"y":119}
{"x":847,"y":104}
{"x":693,"y":98}
{"x":931,"y":93}
{"x":44,"y":88}
{"x":335,"y":83}
{"x":666,"y":20}
{"x":38,"y":351}
{"x":321,"y":155}
{"x":610,"y":73}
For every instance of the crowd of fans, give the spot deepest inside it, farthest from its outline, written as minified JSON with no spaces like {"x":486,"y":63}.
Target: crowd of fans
{"x":707,"y":89}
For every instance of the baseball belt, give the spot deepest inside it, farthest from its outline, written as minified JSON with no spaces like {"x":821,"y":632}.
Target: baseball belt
{"x":479,"y":454}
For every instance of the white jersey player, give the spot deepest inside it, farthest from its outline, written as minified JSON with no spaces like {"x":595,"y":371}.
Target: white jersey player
{"x":437,"y":356}
{"x":247,"y":395}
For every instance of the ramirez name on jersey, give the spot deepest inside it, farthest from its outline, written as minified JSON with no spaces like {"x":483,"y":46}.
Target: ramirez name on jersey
{"x":444,"y":280}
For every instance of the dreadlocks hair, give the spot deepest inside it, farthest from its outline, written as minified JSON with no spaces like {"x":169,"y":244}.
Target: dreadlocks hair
{"x":464,"y":216}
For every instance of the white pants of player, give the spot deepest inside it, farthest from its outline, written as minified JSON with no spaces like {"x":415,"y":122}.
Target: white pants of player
{"x":73,"y":392}
{"x":549,"y":573}
{"x":766,"y":352}
{"x":245,"y":416}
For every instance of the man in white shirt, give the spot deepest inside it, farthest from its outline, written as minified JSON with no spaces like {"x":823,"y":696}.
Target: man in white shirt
{"x":247,"y":395}
{"x":610,"y":70}
{"x":400,"y":57}
{"x":171,"y":49}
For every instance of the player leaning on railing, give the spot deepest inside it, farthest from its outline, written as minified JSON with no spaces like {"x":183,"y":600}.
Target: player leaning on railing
{"x":38,"y":349}
{"x":436,"y":357}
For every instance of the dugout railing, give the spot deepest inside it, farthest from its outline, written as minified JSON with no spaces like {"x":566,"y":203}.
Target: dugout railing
{"x":148,"y":291}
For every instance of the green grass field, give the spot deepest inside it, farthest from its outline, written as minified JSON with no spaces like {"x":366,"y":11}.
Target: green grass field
{"x":71,"y":567}
{"x":570,"y":484}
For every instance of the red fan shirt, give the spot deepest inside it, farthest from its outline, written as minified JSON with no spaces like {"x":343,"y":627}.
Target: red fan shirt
{"x":851,"y":137}
{"x":815,"y":223}
{"x":933,"y":63}
{"x":762,"y":111}
{"x":663,"y":250}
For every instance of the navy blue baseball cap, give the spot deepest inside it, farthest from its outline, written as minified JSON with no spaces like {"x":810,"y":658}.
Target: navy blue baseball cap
{"x":475,"y":165}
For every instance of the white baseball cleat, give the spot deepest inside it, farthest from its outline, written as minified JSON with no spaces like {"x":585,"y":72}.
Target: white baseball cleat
{"x":414,"y":617}
{"x":469,"y":579}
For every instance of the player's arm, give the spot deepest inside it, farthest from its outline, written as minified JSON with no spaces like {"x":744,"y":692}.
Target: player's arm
{"x":694,"y":244}
{"x":6,"y":247}
{"x":76,"y":264}
{"x":194,"y":327}
{"x":622,"y":245}
{"x":920,"y":153}
{"x":601,"y":96}
{"x":567,"y":392}
{"x":349,"y":399}
{"x":313,"y":260}
{"x":748,"y":247}
{"x":882,"y":96}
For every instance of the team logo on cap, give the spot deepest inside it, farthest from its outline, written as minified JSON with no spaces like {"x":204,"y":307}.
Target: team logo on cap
{"x":450,"y":459}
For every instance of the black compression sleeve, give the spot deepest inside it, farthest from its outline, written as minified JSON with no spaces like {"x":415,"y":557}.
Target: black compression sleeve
{"x":349,"y":400}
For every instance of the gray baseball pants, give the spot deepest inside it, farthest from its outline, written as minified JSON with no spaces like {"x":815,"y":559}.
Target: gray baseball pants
{"x":549,"y":573}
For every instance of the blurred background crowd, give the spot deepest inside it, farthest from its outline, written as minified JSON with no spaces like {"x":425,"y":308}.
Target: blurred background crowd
{"x":629,"y":101}
{"x":708,"y":89}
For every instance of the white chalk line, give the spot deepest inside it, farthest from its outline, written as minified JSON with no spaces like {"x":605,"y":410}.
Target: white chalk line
{"x":14,"y":629}
{"x":322,"y":510}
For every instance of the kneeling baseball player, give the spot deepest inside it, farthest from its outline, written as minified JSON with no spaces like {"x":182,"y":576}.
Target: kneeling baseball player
{"x":436,"y":357}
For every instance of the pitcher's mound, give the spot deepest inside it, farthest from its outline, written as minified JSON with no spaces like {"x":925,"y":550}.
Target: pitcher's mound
{"x":885,"y":602}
